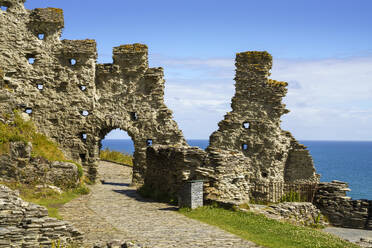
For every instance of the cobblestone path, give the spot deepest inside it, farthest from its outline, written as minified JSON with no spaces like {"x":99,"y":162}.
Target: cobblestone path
{"x":113,"y":210}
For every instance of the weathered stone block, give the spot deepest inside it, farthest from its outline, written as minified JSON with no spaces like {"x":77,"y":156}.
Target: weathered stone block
{"x":191,"y":194}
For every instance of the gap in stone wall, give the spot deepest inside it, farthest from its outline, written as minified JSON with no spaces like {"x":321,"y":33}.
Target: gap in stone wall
{"x":28,"y":111}
{"x":246,"y":125}
{"x":41,"y":36}
{"x":85,"y":113}
{"x":118,"y":140}
{"x":31,"y":59}
{"x":72,"y":62}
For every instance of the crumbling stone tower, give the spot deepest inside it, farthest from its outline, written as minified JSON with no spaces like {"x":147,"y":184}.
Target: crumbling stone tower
{"x":72,"y":99}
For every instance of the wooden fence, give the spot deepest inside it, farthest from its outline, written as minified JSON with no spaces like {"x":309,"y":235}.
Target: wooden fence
{"x":278,"y":191}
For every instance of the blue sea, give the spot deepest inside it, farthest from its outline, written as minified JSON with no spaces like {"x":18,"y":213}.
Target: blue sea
{"x":349,"y":161}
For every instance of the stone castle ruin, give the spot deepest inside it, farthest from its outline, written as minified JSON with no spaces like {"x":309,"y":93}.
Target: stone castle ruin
{"x":76,"y":102}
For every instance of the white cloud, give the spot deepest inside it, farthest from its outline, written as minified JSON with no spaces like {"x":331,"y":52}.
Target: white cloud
{"x":329,"y":99}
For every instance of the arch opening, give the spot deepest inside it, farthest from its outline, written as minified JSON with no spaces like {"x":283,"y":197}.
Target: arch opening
{"x":117,"y":146}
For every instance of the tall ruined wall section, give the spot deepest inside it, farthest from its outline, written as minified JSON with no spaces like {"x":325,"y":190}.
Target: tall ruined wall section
{"x":130,"y":96}
{"x":72,"y":99}
{"x":252,"y":128}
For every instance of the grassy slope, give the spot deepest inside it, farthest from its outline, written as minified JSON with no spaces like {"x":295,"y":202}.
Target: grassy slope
{"x":264,"y":231}
{"x":47,"y":197}
{"x":117,"y":157}
{"x":20,"y":130}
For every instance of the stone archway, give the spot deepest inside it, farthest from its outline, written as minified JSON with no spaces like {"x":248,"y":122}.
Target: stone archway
{"x":139,"y":148}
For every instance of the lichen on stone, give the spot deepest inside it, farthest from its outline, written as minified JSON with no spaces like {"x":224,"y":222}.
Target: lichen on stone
{"x":56,"y":10}
{"x":276,"y":83}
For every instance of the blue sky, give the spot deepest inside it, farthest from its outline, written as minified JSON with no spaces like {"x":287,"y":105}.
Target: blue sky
{"x":322,"y":48}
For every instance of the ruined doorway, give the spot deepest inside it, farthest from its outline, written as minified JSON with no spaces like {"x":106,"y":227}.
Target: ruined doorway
{"x":118,"y":147}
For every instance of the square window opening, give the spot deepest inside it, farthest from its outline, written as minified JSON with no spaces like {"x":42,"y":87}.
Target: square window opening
{"x":149,"y":142}
{"x":133,"y":116}
{"x":83,"y":87}
{"x":245,"y":147}
{"x":31,"y":59}
{"x":72,"y":62}
{"x":4,"y":8}
{"x":84,"y":113}
{"x":83,"y":157}
{"x":246,"y":125}
{"x":40,"y":86}
{"x":28,"y":111}
{"x":41,"y":36}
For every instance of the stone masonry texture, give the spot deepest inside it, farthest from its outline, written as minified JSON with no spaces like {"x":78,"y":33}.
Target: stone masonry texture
{"x":24,"y":224}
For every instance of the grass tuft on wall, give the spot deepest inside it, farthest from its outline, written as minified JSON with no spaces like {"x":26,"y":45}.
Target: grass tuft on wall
{"x":21,"y":130}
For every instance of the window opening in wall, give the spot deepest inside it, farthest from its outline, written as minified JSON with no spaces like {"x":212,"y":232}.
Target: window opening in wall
{"x":3,"y":8}
{"x":84,"y":137}
{"x":264,"y":174}
{"x":31,"y":59}
{"x":133,"y":116}
{"x":72,"y":61}
{"x":149,"y":142}
{"x":28,"y":110}
{"x":246,"y":125}
{"x":41,"y":36}
{"x":83,"y":157}
{"x":40,"y":86}
{"x":83,"y":87}
{"x":245,"y":147}
{"x":117,"y":145}
{"x":84,"y":113}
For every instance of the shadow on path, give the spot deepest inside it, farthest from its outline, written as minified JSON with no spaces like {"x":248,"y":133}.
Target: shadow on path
{"x":132,"y":193}
{"x":115,"y":184}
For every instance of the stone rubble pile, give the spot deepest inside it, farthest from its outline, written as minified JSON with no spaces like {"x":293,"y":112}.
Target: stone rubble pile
{"x":298,"y":213}
{"x":340,"y":209}
{"x":24,"y":224}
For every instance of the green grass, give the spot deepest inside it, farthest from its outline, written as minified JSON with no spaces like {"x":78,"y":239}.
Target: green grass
{"x":264,"y":231}
{"x":47,"y":197}
{"x":21,"y":130}
{"x":116,"y":157}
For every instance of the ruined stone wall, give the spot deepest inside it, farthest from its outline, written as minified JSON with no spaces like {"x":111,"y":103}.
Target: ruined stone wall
{"x":77,"y":102}
{"x":340,"y":209}
{"x":252,"y":128}
{"x":24,"y":224}
{"x":20,"y":166}
{"x":72,"y":99}
{"x":249,"y":148}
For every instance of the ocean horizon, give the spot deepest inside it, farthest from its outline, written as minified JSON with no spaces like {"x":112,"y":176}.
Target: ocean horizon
{"x":348,"y":161}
